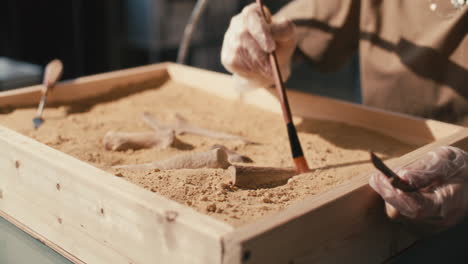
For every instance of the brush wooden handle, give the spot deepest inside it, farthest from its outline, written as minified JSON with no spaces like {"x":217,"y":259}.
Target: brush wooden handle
{"x":52,"y":74}
{"x":296,"y":149}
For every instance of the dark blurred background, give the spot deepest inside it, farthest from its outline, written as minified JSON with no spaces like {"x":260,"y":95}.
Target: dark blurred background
{"x":104,"y":35}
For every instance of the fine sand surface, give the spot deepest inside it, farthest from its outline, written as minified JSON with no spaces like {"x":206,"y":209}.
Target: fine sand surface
{"x":336,"y":152}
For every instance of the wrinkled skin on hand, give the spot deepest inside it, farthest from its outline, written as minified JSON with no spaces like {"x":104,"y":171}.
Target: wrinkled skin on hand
{"x":441,"y":199}
{"x":248,"y":42}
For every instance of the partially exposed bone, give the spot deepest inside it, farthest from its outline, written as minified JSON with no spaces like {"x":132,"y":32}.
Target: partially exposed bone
{"x":233,"y":156}
{"x":216,"y":159}
{"x":155,"y":124}
{"x":118,"y":141}
{"x":255,"y":177}
{"x":182,"y":126}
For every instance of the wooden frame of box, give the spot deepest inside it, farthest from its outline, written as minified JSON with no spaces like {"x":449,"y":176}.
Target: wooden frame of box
{"x":90,"y":216}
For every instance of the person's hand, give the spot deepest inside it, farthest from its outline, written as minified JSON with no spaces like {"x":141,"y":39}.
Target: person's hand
{"x":248,"y":42}
{"x":441,"y":199}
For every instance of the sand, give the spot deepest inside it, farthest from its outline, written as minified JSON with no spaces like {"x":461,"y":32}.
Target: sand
{"x":336,"y":152}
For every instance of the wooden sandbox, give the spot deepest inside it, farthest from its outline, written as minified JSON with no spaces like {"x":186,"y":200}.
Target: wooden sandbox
{"x":90,"y":216}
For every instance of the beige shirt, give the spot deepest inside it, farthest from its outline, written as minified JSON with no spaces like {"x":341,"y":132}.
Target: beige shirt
{"x":413,"y":53}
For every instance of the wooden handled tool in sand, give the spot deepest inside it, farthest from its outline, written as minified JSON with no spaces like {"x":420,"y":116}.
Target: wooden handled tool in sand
{"x":52,"y":74}
{"x":395,"y":180}
{"x":296,"y":149}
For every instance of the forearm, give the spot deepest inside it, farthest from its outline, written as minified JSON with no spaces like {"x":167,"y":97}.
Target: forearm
{"x":327,"y":31}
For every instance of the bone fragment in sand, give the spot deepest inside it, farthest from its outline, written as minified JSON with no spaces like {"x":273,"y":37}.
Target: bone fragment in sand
{"x":233,"y":156}
{"x":118,"y":141}
{"x":255,"y":177}
{"x":182,"y":126}
{"x":216,"y":159}
{"x":155,"y":124}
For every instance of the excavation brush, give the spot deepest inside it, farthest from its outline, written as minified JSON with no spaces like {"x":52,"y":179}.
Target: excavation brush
{"x":52,"y":74}
{"x":296,"y":149}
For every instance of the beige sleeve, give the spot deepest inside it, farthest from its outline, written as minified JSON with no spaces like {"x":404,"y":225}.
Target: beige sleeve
{"x":328,"y":30}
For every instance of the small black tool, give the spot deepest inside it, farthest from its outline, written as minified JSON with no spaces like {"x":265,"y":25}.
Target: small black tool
{"x":395,"y":180}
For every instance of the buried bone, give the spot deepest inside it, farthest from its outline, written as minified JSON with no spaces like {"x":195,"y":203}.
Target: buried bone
{"x":255,"y":177}
{"x":154,"y":123}
{"x":233,"y":156}
{"x":216,"y":159}
{"x":182,"y":126}
{"x":118,"y":141}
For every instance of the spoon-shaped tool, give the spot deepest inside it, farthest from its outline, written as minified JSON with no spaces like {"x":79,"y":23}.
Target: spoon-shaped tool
{"x":52,"y":74}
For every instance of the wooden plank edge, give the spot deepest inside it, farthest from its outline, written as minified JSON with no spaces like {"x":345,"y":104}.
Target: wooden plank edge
{"x":216,"y":83}
{"x":108,"y":180}
{"x":83,"y":87}
{"x":158,"y":204}
{"x":91,"y":78}
{"x":343,"y":189}
{"x":411,"y":129}
{"x":41,"y":238}
{"x":233,"y":242}
{"x":404,"y":127}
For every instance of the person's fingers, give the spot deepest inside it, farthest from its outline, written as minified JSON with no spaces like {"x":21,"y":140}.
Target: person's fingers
{"x":247,"y":59}
{"x":235,"y":54}
{"x":283,"y":30}
{"x":241,"y":54}
{"x":403,"y":202}
{"x":258,"y":60}
{"x":442,"y":197}
{"x":451,"y":202}
{"x":391,"y":211}
{"x":259,"y":28}
{"x":443,"y":205}
{"x":436,"y":167}
{"x":248,"y":42}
